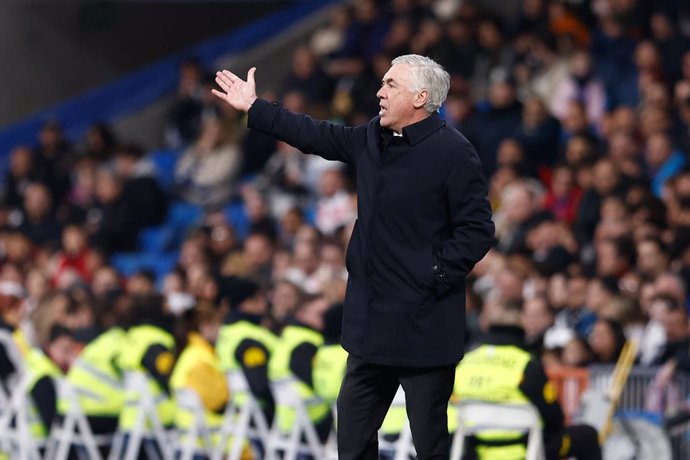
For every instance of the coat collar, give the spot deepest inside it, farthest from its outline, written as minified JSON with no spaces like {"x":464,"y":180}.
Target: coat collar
{"x":416,"y":132}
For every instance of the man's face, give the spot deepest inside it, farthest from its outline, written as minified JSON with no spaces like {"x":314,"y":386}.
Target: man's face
{"x":396,"y":99}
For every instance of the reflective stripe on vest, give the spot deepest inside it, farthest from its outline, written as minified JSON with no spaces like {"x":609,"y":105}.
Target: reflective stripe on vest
{"x":493,"y":373}
{"x":96,"y":378}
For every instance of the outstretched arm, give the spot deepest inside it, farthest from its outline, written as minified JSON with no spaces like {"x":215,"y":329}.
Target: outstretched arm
{"x":328,"y":140}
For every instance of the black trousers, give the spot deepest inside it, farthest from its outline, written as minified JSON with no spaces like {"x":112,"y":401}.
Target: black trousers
{"x":366,"y":394}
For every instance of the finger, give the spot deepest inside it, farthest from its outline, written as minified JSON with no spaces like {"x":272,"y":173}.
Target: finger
{"x":250,"y":75}
{"x":224,"y":84}
{"x":224,"y":81}
{"x":233,"y":78}
{"x":218,"y":93}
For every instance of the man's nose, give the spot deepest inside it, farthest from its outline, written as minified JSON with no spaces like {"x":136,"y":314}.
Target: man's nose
{"x":379,"y":93}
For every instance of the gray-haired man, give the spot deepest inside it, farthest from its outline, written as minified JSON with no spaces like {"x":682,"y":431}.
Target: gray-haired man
{"x":424,"y":221}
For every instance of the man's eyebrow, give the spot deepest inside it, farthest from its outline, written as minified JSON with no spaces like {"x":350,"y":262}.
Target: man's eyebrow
{"x":388,"y":80}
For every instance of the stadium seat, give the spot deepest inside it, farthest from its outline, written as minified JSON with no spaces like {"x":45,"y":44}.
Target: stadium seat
{"x":236,"y":215}
{"x":164,"y":161}
{"x":159,"y":263}
{"x":240,"y":423}
{"x":74,"y":430}
{"x":302,"y":439}
{"x":170,"y":235}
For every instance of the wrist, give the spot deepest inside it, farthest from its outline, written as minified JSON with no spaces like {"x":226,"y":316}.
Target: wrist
{"x":251,"y":103}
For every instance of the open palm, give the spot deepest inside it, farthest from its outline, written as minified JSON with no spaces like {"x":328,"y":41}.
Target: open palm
{"x":238,"y":93}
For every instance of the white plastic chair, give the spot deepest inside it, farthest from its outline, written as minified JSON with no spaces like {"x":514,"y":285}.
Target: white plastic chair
{"x":147,"y":425}
{"x":240,"y":423}
{"x":302,"y":438}
{"x":74,"y":429}
{"x":15,"y":430}
{"x":476,"y":416}
{"x":188,"y":444}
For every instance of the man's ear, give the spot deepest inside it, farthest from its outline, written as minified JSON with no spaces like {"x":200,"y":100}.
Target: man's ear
{"x":421,"y":98}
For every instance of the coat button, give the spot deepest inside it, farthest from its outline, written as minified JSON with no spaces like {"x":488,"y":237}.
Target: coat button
{"x":435,"y":267}
{"x":442,"y":276}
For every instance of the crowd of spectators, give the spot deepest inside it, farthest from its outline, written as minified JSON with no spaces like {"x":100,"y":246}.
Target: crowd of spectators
{"x":580,"y":112}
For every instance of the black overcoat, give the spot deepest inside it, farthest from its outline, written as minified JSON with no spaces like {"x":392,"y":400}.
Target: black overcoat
{"x":424,"y":220}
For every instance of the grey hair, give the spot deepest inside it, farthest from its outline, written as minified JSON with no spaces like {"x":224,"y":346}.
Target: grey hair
{"x":429,"y":75}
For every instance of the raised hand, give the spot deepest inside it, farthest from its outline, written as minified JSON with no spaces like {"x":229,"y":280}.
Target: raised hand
{"x":238,"y":93}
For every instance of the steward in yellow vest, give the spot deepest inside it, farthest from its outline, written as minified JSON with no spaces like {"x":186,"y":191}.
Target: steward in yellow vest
{"x":43,"y":369}
{"x":150,"y":349}
{"x":97,"y":381}
{"x":292,"y":360}
{"x":197,"y":374}
{"x":245,"y":344}
{"x":500,"y":370}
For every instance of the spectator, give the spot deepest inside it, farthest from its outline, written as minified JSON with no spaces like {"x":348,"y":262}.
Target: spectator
{"x":539,"y":134}
{"x":38,"y":219}
{"x":663,"y":161}
{"x":112,"y":229}
{"x":537,"y":318}
{"x":563,"y":199}
{"x":498,"y":122}
{"x":99,"y":143}
{"x":74,"y":256}
{"x":577,"y":353}
{"x":206,"y":172}
{"x":307,"y":78}
{"x":51,"y":160}
{"x":19,"y":176}
{"x":335,"y":208}
{"x":494,"y":57}
{"x":188,"y":111}
{"x":147,"y":202}
{"x":582,"y":86}
{"x":677,"y":347}
{"x":607,"y":340}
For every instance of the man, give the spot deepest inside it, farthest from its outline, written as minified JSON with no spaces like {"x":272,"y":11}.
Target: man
{"x":500,"y":370}
{"x":424,"y":221}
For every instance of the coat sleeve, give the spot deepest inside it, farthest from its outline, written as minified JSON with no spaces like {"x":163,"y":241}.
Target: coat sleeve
{"x":470,"y":215}
{"x":331,"y":141}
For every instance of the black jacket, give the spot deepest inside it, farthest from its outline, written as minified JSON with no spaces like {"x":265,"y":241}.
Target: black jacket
{"x":424,"y":221}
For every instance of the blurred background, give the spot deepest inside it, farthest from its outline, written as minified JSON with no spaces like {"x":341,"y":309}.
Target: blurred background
{"x":122,"y":176}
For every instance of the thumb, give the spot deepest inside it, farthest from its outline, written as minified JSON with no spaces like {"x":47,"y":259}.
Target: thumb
{"x":250,"y":74}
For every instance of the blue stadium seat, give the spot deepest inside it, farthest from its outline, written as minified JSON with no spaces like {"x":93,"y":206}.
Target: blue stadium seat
{"x":236,"y":215}
{"x":170,"y":235}
{"x":164,"y":162}
{"x":159,"y":263}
